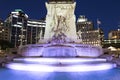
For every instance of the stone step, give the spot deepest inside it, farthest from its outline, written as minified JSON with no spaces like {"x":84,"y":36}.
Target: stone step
{"x":61,"y":67}
{"x":59,"y":60}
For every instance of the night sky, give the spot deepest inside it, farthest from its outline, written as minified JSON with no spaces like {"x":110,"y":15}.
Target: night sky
{"x":107,"y":11}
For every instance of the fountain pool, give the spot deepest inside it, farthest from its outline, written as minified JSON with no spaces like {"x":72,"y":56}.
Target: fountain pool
{"x":8,"y":74}
{"x":60,"y":58}
{"x":60,"y":64}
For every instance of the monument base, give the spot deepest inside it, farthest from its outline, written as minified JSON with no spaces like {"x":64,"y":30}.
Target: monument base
{"x":58,"y":50}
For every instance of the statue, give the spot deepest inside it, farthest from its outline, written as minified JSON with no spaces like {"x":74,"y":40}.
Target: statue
{"x":59,"y":30}
{"x":61,"y":26}
{"x":60,"y":21}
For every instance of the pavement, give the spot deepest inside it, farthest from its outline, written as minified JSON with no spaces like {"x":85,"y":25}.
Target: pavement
{"x":117,"y":61}
{"x":112,"y":58}
{"x":6,"y":58}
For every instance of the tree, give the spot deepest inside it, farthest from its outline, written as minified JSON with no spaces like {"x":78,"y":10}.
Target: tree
{"x":5,"y":44}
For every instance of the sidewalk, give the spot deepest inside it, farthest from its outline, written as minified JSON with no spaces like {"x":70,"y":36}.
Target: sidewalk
{"x":117,"y":61}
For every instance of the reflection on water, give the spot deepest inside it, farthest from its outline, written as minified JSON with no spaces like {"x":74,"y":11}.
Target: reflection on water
{"x":7,"y":74}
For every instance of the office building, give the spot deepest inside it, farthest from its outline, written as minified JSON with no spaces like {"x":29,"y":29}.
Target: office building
{"x":35,"y":31}
{"x":4,"y":32}
{"x":114,"y":34}
{"x":87,"y":34}
{"x":83,"y":24}
{"x":17,"y":23}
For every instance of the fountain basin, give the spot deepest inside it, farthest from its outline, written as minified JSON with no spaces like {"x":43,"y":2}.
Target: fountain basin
{"x":60,"y":50}
{"x":60,"y":58}
{"x":60,"y":64}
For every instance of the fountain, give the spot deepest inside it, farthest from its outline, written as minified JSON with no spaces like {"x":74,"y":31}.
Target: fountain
{"x":60,"y":51}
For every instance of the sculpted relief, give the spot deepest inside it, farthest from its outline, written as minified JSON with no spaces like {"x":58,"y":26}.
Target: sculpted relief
{"x":60,"y":29}
{"x":61,"y":17}
{"x":60,"y":21}
{"x":61,"y":26}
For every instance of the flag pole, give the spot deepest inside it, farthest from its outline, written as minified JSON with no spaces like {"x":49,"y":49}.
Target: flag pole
{"x":97,"y":24}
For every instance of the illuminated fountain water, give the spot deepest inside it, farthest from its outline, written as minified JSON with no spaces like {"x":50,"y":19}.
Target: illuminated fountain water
{"x":60,"y":53}
{"x":59,"y":58}
{"x":60,"y":64}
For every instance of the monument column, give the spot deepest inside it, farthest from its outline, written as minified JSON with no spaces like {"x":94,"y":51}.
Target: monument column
{"x":60,"y":21}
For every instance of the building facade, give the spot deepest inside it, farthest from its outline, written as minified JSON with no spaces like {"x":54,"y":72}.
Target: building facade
{"x":17,"y":23}
{"x":113,"y":39}
{"x":93,"y":37}
{"x":114,"y":34}
{"x":35,"y":31}
{"x":23,"y":30}
{"x":87,"y":34}
{"x":4,"y":32}
{"x":83,"y":24}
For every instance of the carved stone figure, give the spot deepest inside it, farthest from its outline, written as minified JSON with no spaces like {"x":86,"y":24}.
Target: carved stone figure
{"x":60,"y":20}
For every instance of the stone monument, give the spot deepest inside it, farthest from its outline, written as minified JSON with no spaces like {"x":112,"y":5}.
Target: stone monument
{"x":60,"y":21}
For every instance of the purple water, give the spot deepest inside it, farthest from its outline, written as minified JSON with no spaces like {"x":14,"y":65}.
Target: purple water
{"x":7,"y":74}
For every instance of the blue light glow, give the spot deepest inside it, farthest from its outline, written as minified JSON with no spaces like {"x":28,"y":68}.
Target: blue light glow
{"x":60,"y":65}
